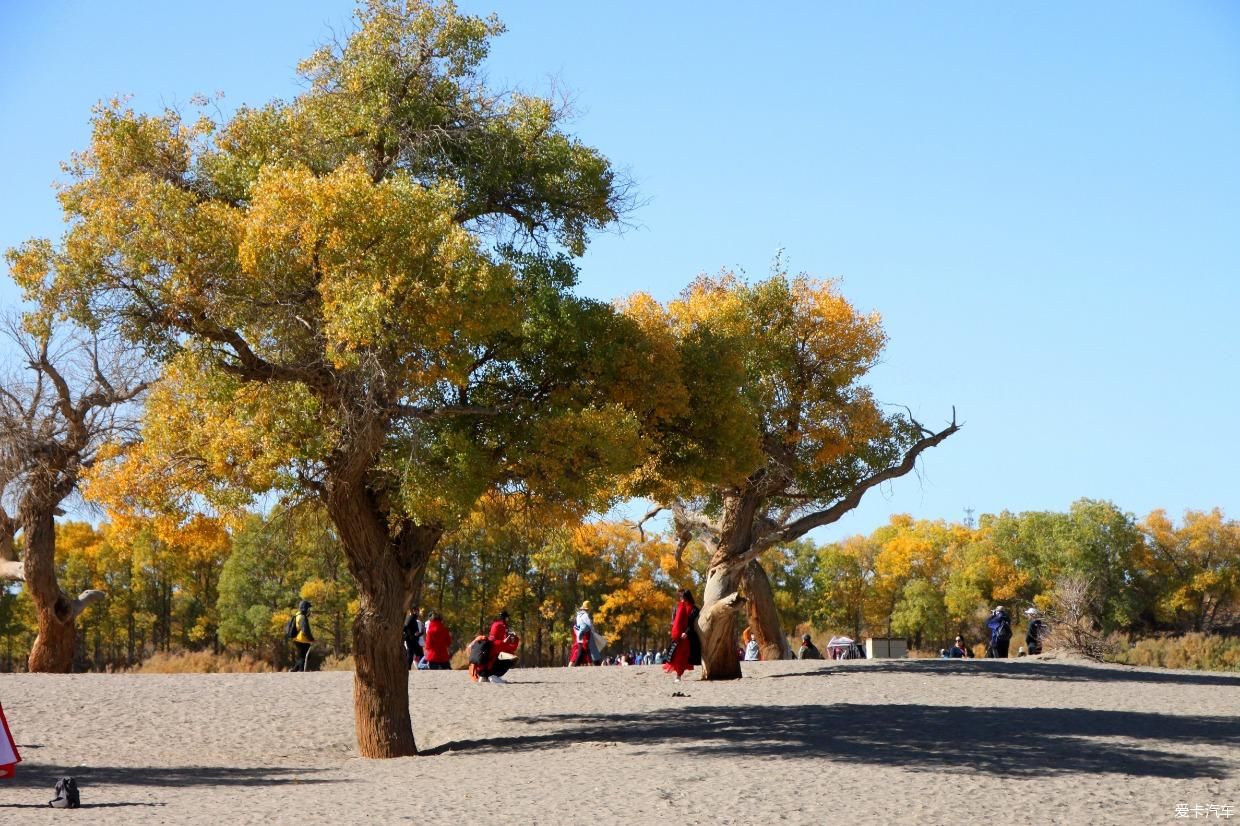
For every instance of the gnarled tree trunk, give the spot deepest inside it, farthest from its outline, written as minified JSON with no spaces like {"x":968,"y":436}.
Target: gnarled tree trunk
{"x":388,"y":569}
{"x":52,"y":652}
{"x":717,"y":626}
{"x":763,"y":616}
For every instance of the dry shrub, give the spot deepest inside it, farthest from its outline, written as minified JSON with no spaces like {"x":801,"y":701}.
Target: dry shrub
{"x":333,"y":663}
{"x":460,"y":660}
{"x":1204,"y":652}
{"x":1073,"y":617}
{"x":918,"y":653}
{"x":201,"y":662}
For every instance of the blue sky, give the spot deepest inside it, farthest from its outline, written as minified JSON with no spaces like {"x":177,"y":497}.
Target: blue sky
{"x":1042,"y":200}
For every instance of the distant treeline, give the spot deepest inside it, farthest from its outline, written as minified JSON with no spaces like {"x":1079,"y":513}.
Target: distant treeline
{"x":228,"y":588}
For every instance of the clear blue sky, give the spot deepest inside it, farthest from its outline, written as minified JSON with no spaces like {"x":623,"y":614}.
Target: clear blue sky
{"x":1042,"y":199}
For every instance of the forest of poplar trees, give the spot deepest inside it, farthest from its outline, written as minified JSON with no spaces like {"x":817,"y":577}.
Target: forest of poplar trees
{"x":225,"y":590}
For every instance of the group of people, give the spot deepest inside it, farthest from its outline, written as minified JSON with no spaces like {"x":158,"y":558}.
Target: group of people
{"x":999,"y":623}
{"x":751,"y":650}
{"x":426,"y":643}
{"x":683,"y":653}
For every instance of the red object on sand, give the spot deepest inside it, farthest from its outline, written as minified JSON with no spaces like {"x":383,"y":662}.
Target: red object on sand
{"x":9,"y":758}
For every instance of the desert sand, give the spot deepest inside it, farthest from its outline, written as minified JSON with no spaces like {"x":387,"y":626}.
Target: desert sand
{"x":881,"y":741}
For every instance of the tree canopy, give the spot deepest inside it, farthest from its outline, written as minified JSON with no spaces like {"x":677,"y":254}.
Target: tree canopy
{"x":363,"y":294}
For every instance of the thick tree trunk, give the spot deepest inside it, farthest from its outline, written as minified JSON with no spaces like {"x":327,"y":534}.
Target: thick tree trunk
{"x":52,"y":652}
{"x":721,"y":600}
{"x":388,"y":569}
{"x":717,"y":624}
{"x":381,"y":681}
{"x":763,"y":616}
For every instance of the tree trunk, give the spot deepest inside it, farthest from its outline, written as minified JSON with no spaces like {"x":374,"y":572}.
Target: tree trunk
{"x":388,"y":569}
{"x":717,"y":624}
{"x":721,"y":600}
{"x":52,"y":652}
{"x":763,"y":616}
{"x":381,"y":681}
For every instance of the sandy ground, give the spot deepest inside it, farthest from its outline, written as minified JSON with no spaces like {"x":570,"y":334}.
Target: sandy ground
{"x":891,"y":741}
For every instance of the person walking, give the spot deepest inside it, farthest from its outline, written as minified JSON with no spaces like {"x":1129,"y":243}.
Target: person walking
{"x":584,"y":650}
{"x":438,"y":641}
{"x":686,"y":650}
{"x":304,"y":639}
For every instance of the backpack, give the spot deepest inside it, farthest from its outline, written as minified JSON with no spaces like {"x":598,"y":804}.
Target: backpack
{"x":479,"y":651}
{"x":66,"y":794}
{"x":1005,"y":629}
{"x":290,"y":628}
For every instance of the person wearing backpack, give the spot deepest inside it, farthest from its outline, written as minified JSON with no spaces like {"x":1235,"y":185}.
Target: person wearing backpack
{"x":1000,"y":625}
{"x":502,"y":642}
{"x":303,"y":639}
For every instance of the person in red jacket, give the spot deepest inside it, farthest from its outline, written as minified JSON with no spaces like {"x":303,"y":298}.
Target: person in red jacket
{"x":686,"y":647}
{"x":503,"y":641}
{"x":438,"y":641}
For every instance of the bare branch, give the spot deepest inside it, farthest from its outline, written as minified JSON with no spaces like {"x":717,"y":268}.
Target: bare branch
{"x":805,"y":524}
{"x":639,"y":525}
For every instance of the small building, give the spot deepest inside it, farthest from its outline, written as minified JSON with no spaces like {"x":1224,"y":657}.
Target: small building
{"x":885,"y":649}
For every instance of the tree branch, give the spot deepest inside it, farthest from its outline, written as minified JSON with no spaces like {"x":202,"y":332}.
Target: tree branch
{"x":443,"y":411}
{"x":805,"y":524}
{"x":639,"y":525}
{"x":85,"y":600}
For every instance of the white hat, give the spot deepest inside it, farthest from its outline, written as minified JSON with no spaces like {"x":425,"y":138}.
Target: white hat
{"x":1029,"y":612}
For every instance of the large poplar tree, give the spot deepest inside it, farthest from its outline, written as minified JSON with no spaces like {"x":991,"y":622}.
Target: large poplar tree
{"x":364,"y":293}
{"x":791,"y":439}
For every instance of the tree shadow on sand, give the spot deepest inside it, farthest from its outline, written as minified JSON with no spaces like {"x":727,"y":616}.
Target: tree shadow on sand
{"x":1020,"y":670}
{"x":42,"y":775}
{"x":1001,"y":741}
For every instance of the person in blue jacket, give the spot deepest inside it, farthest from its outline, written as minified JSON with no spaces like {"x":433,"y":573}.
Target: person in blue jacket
{"x":1000,"y":625}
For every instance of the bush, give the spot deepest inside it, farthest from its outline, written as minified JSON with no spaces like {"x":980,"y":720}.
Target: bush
{"x":333,"y":663}
{"x":1202,"y":652}
{"x":1073,"y":617}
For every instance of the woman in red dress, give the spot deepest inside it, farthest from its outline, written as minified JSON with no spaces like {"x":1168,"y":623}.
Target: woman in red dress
{"x":684,"y":637}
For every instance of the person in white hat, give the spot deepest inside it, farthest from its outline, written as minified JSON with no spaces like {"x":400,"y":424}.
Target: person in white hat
{"x":1036,"y":633}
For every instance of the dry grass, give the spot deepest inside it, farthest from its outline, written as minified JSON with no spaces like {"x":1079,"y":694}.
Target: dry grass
{"x":333,"y":663}
{"x":201,"y":662}
{"x":1204,"y":652}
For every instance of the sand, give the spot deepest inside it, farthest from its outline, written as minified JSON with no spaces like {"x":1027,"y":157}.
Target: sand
{"x":895,"y":741}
